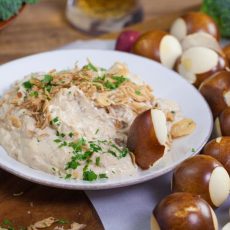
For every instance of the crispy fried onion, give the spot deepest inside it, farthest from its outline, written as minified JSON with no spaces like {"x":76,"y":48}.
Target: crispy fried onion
{"x":138,"y":97}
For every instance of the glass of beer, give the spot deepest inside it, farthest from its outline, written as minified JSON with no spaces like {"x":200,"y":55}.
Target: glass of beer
{"x":101,"y":16}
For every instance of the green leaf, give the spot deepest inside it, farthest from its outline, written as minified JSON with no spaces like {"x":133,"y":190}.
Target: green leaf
{"x":89,"y":175}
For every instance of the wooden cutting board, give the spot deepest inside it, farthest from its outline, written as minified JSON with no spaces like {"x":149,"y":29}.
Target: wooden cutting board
{"x":22,"y":202}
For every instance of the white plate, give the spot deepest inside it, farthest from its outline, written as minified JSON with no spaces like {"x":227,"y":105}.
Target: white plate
{"x":166,"y":84}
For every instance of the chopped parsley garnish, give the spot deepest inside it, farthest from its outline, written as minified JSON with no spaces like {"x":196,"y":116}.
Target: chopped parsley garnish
{"x":56,"y":121}
{"x":82,"y":151}
{"x":34,"y":94}
{"x":27,"y":85}
{"x":47,"y":79}
{"x":68,"y":176}
{"x":95,"y":147}
{"x":64,"y":143}
{"x":89,"y":175}
{"x":48,"y":88}
{"x":73,"y":164}
{"x":98,"y":159}
{"x":47,"y":83}
{"x":122,"y":151}
{"x":117,"y":81}
{"x":7,"y":224}
{"x":193,"y":150}
{"x":71,"y":134}
{"x":97,"y":131}
{"x":63,"y":221}
{"x":57,"y":140}
{"x":77,"y":146}
{"x":85,"y":156}
{"x":90,"y":66}
{"x":99,"y":79}
{"x":112,"y":152}
{"x":137,"y":92}
{"x":103,"y":176}
{"x":112,"y":84}
{"x":85,"y":167}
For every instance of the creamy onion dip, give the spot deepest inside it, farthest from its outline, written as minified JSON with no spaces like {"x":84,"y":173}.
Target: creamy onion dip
{"x":74,"y":123}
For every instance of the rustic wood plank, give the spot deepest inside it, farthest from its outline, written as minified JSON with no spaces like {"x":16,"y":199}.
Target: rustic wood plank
{"x":24,"y":203}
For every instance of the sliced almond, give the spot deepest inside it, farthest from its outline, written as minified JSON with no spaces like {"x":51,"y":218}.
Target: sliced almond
{"x":183,"y":128}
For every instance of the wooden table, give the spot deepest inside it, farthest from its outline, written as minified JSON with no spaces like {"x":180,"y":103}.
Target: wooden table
{"x":40,"y":28}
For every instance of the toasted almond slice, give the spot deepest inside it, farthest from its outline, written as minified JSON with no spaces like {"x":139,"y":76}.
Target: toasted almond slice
{"x":182,"y":128}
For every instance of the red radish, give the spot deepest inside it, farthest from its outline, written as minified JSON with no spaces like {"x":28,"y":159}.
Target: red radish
{"x":126,"y":40}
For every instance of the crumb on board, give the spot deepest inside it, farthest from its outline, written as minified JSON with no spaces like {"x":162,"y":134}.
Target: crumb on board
{"x":18,"y":193}
{"x":45,"y":223}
